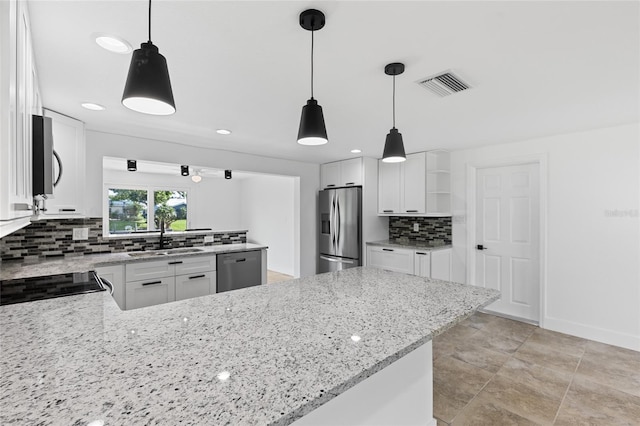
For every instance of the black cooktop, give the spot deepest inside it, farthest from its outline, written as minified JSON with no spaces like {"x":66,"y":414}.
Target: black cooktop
{"x":47,"y":287}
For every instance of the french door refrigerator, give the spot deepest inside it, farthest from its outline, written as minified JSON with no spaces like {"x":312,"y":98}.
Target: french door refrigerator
{"x":340,"y":239}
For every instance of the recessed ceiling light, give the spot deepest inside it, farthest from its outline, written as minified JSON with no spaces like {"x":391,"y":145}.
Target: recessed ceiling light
{"x":223,"y":132}
{"x":356,"y":151}
{"x":93,"y":107}
{"x":113,"y":43}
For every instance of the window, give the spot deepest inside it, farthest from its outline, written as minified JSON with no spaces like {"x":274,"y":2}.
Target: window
{"x":170,"y":206}
{"x":129,"y":210}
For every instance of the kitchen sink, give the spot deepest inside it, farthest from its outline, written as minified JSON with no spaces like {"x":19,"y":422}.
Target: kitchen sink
{"x":164,"y":252}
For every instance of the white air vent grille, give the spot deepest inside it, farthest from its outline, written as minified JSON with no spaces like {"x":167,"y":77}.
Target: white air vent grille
{"x":444,"y":84}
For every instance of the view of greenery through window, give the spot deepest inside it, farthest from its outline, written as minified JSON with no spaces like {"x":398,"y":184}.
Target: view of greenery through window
{"x":129,"y":212}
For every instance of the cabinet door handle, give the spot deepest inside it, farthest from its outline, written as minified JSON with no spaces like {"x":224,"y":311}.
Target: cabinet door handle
{"x":412,"y":211}
{"x":331,"y":186}
{"x":241,"y":260}
{"x":350,"y":183}
{"x":387,"y":211}
{"x":177,"y":262}
{"x":66,"y":210}
{"x":197,"y":276}
{"x":419,"y":252}
{"x":386,"y":249}
{"x":152,"y":283}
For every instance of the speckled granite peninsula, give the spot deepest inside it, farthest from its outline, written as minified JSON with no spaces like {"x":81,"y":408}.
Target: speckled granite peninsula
{"x":263,"y":355}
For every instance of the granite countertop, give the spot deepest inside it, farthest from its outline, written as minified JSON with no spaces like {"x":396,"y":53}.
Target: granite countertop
{"x":10,"y":269}
{"x":263,"y":355}
{"x":421,"y":245}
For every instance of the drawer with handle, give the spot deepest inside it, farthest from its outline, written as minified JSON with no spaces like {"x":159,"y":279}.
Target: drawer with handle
{"x":140,"y":294}
{"x":195,"y":285}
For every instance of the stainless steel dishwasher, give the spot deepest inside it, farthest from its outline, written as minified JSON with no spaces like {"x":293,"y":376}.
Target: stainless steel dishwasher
{"x":239,"y":270}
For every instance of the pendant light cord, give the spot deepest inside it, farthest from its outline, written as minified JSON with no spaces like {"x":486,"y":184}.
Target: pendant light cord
{"x":394,"y":101}
{"x":149,"y":21}
{"x":312,"y":31}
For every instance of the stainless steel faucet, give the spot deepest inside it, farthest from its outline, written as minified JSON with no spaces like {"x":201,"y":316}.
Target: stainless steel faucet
{"x":162,"y":242}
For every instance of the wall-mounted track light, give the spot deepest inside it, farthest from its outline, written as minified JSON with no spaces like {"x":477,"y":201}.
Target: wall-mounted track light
{"x":312,"y":130}
{"x":227,"y":174}
{"x":196,"y":178}
{"x":148,"y":88}
{"x":132,"y":165}
{"x":184,"y":170}
{"x":393,"y":146}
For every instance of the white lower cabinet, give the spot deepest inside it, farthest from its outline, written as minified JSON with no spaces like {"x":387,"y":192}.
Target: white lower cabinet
{"x":148,"y":283}
{"x":422,"y":264}
{"x":140,"y":294}
{"x":441,"y":264}
{"x":195,"y":285}
{"x":434,"y":264}
{"x":391,"y":259}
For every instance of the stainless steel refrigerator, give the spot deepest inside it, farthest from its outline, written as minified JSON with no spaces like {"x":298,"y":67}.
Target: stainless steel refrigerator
{"x":340,"y":241}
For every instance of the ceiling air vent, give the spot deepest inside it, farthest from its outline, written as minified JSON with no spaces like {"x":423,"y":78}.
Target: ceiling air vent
{"x":444,"y":84}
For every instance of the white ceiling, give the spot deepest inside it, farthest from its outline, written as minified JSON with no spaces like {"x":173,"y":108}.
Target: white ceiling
{"x":537,"y":68}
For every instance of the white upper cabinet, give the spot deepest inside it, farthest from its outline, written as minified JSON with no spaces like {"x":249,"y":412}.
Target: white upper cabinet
{"x":417,"y":187}
{"x":388,"y":188}
{"x":19,"y":99}
{"x":69,"y":171}
{"x":413,"y":198}
{"x":341,"y":173}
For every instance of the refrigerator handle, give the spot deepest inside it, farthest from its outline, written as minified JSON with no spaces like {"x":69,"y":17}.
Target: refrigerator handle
{"x":350,"y":262}
{"x":337,"y":223}
{"x":333,"y":222}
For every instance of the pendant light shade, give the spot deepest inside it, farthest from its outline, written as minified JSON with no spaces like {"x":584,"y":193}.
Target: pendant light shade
{"x":393,"y":145}
{"x":312,"y":130}
{"x":148,"y":88}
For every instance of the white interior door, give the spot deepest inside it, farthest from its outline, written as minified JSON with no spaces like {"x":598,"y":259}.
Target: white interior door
{"x":508,"y":238}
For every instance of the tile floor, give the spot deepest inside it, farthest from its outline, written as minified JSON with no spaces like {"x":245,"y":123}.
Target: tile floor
{"x":495,"y":371}
{"x":274,"y":277}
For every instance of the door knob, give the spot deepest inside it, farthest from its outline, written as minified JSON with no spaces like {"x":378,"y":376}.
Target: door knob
{"x":481,"y":247}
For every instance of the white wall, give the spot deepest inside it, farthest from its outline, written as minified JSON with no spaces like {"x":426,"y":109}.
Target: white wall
{"x":268,"y":213}
{"x":212,"y":203}
{"x":592,"y":283}
{"x":100,"y":145}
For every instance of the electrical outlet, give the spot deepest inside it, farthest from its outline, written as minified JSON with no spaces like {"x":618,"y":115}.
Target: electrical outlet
{"x":208,"y":239}
{"x":416,"y":227}
{"x":80,"y":234}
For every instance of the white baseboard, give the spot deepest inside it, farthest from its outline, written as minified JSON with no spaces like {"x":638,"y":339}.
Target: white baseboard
{"x":610,"y":337}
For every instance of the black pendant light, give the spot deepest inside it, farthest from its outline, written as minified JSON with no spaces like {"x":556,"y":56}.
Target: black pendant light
{"x":312,"y":130}
{"x":148,"y":89}
{"x":393,"y":146}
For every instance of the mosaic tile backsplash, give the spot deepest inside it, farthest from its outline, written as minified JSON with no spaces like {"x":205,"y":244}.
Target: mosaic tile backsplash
{"x":432,"y":229}
{"x":54,"y":238}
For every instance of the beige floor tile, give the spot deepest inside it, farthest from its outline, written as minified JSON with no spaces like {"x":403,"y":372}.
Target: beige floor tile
{"x":558,"y":341}
{"x":510,"y":329}
{"x":445,"y":408}
{"x":549,"y":382}
{"x":521,"y":399}
{"x":611,"y":366}
{"x":478,"y":320}
{"x":484,"y":358}
{"x":482,"y":411}
{"x":491,"y":340}
{"x":455,"y":383}
{"x":543,"y":355}
{"x":274,"y":277}
{"x":589,"y":403}
{"x":458,"y":334}
{"x":442,"y":348}
{"x":441,"y":423}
